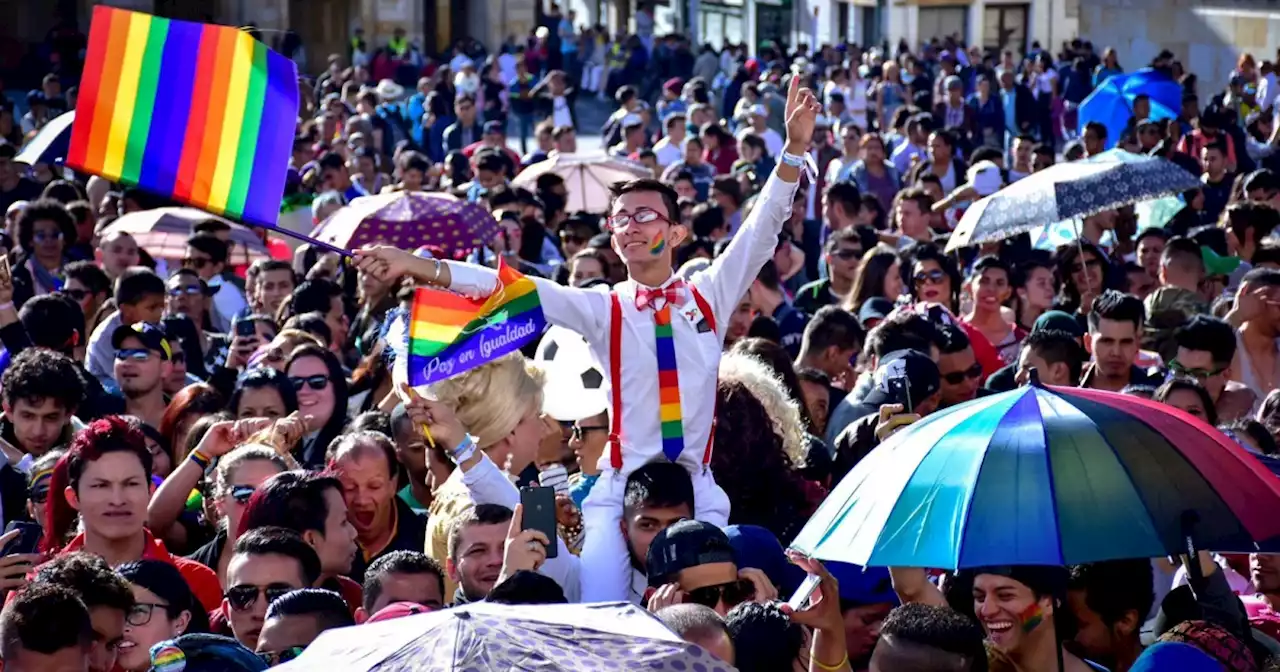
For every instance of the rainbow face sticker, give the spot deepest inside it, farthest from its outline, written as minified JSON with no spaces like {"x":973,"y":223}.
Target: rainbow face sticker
{"x":1031,"y":617}
{"x":658,"y":245}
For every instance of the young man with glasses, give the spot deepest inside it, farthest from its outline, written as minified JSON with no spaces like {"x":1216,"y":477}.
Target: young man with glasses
{"x":959,"y":368}
{"x":142,"y":365}
{"x":1206,"y":349}
{"x":692,"y":562}
{"x":671,"y":390}
{"x":267,"y":564}
{"x":87,"y":285}
{"x":843,"y":255}
{"x":207,"y":256}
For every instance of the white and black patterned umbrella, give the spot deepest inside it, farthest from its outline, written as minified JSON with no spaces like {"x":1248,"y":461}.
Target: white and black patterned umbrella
{"x":1067,"y":191}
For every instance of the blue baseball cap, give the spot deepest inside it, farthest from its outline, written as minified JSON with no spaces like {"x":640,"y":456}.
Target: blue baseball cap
{"x":861,"y":586}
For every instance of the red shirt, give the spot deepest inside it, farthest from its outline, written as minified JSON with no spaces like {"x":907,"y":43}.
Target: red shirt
{"x":202,"y":580}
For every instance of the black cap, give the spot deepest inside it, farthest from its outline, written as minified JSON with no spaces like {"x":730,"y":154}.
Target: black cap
{"x":152,"y":337}
{"x":493,"y":128}
{"x":874,"y":308}
{"x":920,"y":372}
{"x":686,"y":544}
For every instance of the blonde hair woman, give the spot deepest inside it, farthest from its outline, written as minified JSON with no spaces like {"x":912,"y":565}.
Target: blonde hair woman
{"x":500,"y":404}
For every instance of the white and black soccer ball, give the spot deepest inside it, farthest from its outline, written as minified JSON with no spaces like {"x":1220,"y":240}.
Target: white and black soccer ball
{"x":575,"y":387}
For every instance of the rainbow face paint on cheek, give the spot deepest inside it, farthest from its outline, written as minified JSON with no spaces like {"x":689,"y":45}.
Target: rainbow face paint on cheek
{"x":1031,"y":617}
{"x":658,"y":245}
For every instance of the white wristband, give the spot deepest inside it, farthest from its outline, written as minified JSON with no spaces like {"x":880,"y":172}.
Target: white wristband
{"x":465,"y":450}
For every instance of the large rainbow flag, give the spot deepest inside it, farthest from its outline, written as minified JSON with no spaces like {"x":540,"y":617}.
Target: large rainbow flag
{"x":199,"y":113}
{"x":450,"y":333}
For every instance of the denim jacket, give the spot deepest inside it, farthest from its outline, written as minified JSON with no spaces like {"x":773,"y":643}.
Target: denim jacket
{"x":858,"y":172}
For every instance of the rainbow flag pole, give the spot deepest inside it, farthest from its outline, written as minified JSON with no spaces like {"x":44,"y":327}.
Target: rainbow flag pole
{"x":198,"y":113}
{"x":450,"y":333}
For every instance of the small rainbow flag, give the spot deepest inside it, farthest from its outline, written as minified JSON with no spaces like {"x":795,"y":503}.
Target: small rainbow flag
{"x":450,"y":333}
{"x":199,"y":113}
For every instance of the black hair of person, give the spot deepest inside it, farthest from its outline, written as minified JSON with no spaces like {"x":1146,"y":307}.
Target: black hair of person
{"x":88,"y":274}
{"x":832,"y":326}
{"x":1064,"y":258}
{"x":282,"y":541}
{"x":1267,"y":277}
{"x":990,"y":262}
{"x":919,"y":253}
{"x":37,"y":374}
{"x":53,"y":321}
{"x":313,"y":296}
{"x":1117,"y":307}
{"x":264,"y":377}
{"x":527,"y":587}
{"x":293,"y":500}
{"x":1112,"y":588}
{"x":89,"y":577}
{"x":211,"y":245}
{"x":1182,"y":384}
{"x":44,"y":618}
{"x":707,"y":219}
{"x":333,"y":161}
{"x":669,"y":197}
{"x":1054,"y":347}
{"x":136,"y":284}
{"x":658,"y":485}
{"x":167,"y":583}
{"x":902,"y":331}
{"x":413,"y":563}
{"x":372,"y":421}
{"x":480,"y":514}
{"x":1182,"y":251}
{"x":313,"y":323}
{"x":326,"y":606}
{"x":764,"y":637}
{"x":951,"y":339}
{"x":1256,"y":431}
{"x":847,"y":195}
{"x":1209,"y":334}
{"x":939,"y":627}
{"x":44,"y":210}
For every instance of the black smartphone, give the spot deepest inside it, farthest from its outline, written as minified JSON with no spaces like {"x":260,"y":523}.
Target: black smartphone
{"x":246,"y":328}
{"x":540,"y":513}
{"x":901,"y":393}
{"x":28,"y":540}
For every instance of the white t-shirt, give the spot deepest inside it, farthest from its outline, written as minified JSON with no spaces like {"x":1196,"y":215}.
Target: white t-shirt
{"x":560,"y":112}
{"x":667,"y":152}
{"x":772,"y":139}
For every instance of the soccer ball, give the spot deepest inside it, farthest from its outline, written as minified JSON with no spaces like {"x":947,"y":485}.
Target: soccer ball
{"x":575,"y":382}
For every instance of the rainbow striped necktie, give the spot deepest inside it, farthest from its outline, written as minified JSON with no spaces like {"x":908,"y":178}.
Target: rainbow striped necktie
{"x":670,"y":414}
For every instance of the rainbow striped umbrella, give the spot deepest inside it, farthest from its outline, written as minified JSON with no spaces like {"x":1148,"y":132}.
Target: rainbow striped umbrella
{"x":1047,"y":476}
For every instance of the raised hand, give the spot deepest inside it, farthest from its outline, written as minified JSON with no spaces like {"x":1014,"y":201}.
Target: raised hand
{"x":801,"y":116}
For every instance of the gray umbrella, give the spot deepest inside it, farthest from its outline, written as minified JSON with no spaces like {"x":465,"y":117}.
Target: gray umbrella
{"x":1067,"y":191}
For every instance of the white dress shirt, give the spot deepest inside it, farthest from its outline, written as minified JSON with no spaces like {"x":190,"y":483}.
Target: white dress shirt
{"x":722,"y":285}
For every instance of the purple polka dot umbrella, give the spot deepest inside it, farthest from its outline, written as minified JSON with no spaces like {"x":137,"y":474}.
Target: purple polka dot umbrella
{"x":486,"y":637}
{"x":409,"y":220}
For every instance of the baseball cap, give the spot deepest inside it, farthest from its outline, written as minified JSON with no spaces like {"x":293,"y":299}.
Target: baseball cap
{"x":398,"y":610}
{"x":673,"y":84}
{"x":632,"y":120}
{"x":861,"y":586}
{"x":923,"y":378}
{"x":152,"y":337}
{"x":758,"y":548}
{"x":875,"y":308}
{"x":1059,"y":321}
{"x":985,"y":178}
{"x":493,"y":127}
{"x":686,"y":544}
{"x":759,"y":110}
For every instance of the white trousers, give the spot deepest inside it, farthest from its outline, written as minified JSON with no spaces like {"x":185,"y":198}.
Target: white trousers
{"x":606,"y":561}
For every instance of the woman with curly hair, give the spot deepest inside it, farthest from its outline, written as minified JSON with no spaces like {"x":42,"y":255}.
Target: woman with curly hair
{"x":759,"y":443}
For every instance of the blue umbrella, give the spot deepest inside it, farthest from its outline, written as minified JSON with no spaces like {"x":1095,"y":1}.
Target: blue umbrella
{"x":1066,"y":191}
{"x":51,"y":142}
{"x":1046,"y":476}
{"x":1112,"y":103}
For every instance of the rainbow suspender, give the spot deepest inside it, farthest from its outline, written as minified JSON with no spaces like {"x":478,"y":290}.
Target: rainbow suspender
{"x":668,"y":385}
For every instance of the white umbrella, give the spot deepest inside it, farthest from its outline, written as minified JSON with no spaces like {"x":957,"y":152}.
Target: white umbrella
{"x":587,"y":177}
{"x":489,"y":637}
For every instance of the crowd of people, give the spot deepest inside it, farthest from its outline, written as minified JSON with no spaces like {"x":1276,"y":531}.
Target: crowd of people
{"x":209,"y":461}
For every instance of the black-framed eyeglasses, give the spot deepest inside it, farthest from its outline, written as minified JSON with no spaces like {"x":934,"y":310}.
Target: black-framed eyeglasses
{"x":579,"y":432}
{"x":957,"y":377}
{"x":196,"y":262}
{"x":242,"y":598}
{"x":77,"y":294}
{"x":242,"y":493}
{"x":732,"y":593}
{"x":1200,"y":374}
{"x":142,"y":613}
{"x":316,"y":382}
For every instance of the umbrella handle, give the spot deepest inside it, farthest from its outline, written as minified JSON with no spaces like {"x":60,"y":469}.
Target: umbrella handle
{"x":1194,"y":574}
{"x":308,"y":239}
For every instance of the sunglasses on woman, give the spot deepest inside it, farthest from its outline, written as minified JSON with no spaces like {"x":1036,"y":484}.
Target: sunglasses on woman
{"x":242,"y":598}
{"x":732,"y":593}
{"x":934,"y":277}
{"x":316,"y":382}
